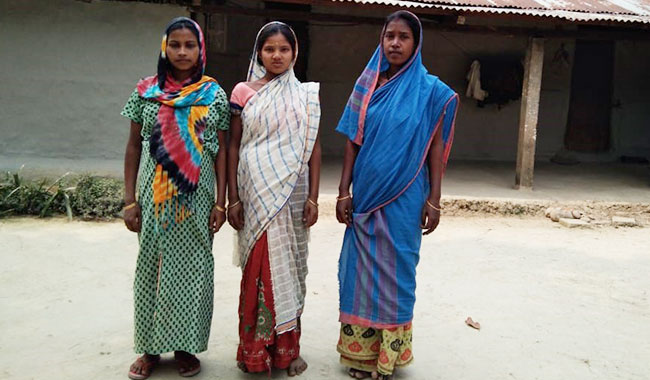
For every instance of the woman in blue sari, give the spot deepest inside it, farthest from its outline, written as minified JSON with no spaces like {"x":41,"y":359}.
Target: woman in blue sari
{"x":399,"y":122}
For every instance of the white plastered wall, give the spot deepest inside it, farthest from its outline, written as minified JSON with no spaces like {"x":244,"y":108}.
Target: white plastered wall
{"x":67,"y":69}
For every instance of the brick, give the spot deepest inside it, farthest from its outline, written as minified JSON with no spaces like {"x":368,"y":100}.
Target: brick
{"x":573,"y":223}
{"x":621,"y":221}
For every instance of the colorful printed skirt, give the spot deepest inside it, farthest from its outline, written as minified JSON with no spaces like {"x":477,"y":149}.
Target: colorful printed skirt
{"x":260,"y":348}
{"x":368,"y":349}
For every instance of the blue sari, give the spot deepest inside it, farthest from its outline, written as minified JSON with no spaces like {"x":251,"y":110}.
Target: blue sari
{"x":394,"y":126}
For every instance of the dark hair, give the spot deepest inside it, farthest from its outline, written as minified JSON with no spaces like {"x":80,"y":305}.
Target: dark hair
{"x":163,"y":64}
{"x":412,"y":22}
{"x":272,"y":30}
{"x":184,"y":24}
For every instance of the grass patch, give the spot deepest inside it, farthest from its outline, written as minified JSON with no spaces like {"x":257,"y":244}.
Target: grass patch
{"x":87,"y":197}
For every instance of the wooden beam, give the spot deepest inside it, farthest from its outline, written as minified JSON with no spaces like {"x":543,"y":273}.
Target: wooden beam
{"x":528,"y":114}
{"x":287,"y":15}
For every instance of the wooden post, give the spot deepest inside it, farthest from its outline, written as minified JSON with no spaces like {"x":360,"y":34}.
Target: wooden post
{"x":528,"y":113}
{"x":194,"y":15}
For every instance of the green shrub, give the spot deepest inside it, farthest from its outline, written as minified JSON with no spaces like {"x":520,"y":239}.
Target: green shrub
{"x":93,"y":197}
{"x":98,"y":197}
{"x":20,"y":197}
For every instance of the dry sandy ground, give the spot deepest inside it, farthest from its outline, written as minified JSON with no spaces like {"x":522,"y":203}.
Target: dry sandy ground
{"x":553,"y":303}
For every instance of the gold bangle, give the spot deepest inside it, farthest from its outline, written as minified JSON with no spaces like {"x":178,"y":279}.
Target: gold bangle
{"x":343,"y":198}
{"x":234,"y":204}
{"x":312,"y":202}
{"x":219,"y":208}
{"x":130,"y":206}
{"x":433,"y":207}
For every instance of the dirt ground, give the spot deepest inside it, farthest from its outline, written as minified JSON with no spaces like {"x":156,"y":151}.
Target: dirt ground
{"x":554,"y":303}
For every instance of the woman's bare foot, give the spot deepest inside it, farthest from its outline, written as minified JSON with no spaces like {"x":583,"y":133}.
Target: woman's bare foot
{"x":242,"y":367}
{"x":143,"y":366}
{"x":357,"y":374}
{"x":188,"y":364}
{"x":378,"y":376}
{"x":297,"y":367}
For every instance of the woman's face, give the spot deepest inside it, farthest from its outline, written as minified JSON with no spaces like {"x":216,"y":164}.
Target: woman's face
{"x":182,"y":49}
{"x":398,"y":42}
{"x":276,"y":54}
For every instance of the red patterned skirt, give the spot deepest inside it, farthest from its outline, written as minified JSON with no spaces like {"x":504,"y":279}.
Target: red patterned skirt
{"x":260,"y":348}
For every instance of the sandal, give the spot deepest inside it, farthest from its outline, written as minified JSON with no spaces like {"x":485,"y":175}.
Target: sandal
{"x":147,"y":364}
{"x":188,"y":364}
{"x":358,"y":374}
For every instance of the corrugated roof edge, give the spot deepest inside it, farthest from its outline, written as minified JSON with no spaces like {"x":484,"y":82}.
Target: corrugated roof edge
{"x":566,"y":15}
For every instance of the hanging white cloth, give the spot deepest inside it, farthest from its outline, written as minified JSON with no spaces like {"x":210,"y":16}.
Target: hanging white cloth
{"x":474,"y":89}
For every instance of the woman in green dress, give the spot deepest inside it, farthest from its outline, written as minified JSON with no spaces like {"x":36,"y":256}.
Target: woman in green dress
{"x":178,"y":122}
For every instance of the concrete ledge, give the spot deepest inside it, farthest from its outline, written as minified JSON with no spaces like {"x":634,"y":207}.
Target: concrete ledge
{"x":468,"y":206}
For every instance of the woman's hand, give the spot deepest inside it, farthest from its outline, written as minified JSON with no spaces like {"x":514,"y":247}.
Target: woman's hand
{"x":236,"y":216}
{"x":344,"y":209}
{"x":430,"y":217}
{"x":217,"y":218}
{"x":133,"y":218}
{"x":310,"y":213}
{"x":132,"y":213}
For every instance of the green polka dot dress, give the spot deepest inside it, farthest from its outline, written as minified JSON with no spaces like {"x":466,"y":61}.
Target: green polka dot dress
{"x":175,"y":270}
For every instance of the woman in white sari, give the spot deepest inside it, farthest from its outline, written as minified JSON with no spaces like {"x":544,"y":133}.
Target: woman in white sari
{"x":273,"y":175}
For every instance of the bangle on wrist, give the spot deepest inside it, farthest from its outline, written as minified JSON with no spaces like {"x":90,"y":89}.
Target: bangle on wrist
{"x":234,"y":204}
{"x":312,"y":202}
{"x":130,"y":206}
{"x":343,"y":198}
{"x":219,"y":208}
{"x":433,"y":206}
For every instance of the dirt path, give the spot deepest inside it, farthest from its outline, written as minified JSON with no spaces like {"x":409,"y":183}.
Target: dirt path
{"x":554,"y":303}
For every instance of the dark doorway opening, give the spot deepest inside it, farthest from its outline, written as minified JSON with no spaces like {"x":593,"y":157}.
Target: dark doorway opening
{"x":588,"y":122}
{"x":301,"y":28}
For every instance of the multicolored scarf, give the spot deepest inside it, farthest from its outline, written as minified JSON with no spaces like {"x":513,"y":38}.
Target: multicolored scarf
{"x":176,"y":141}
{"x":394,"y":126}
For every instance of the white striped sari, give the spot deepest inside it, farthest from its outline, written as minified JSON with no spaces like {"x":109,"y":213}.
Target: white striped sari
{"x":279,"y":128}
